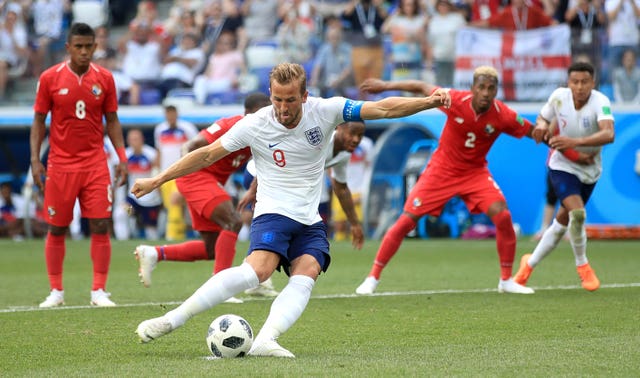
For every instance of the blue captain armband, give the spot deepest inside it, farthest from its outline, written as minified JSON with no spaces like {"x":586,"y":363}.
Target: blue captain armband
{"x":351,"y":111}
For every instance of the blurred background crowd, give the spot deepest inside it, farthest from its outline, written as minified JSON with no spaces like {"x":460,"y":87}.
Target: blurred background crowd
{"x":215,"y":51}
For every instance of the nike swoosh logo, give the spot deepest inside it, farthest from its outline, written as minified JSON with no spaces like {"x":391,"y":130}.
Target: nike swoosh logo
{"x":273,"y":145}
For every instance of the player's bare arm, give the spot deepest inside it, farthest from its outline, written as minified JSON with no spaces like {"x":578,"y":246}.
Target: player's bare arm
{"x":189,"y":163}
{"x":541,"y":131}
{"x":604,"y":136}
{"x":249,"y":197}
{"x":414,"y":86}
{"x":38,"y":131}
{"x":114,"y":130}
{"x":194,"y":143}
{"x":346,"y":202}
{"x":394,"y":107}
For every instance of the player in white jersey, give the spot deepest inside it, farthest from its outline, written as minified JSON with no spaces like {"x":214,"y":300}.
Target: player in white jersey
{"x":288,"y":141}
{"x":343,"y":142}
{"x":585,"y":123}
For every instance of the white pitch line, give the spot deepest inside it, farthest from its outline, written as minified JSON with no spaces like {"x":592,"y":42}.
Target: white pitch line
{"x":15,"y":309}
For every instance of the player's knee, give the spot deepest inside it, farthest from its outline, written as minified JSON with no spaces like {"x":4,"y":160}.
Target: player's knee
{"x":577,"y":217}
{"x":502,"y":220}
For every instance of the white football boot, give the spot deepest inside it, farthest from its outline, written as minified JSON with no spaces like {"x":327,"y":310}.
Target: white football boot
{"x":368,"y":286}
{"x":268,"y":348}
{"x":264,"y":289}
{"x":152,"y":329}
{"x":101,"y":299}
{"x":511,"y":286}
{"x":55,"y":299}
{"x":148,"y":259}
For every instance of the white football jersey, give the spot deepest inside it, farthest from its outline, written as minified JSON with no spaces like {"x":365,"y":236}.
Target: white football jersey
{"x":577,"y":123}
{"x":290,"y":162}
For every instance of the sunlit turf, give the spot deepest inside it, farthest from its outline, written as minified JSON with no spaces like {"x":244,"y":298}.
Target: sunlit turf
{"x":437,"y":314}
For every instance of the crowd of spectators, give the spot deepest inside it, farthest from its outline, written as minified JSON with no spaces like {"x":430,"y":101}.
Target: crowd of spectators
{"x":206,"y":49}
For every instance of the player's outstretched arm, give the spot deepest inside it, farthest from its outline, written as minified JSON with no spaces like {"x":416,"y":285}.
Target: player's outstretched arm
{"x":414,"y":86}
{"x":395,"y":107}
{"x":346,"y":202}
{"x":189,"y":163}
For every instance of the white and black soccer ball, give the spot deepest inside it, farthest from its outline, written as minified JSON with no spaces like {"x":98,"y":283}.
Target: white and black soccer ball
{"x":229,"y":336}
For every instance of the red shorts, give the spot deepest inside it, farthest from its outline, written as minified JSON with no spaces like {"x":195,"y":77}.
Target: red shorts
{"x":436,"y":186}
{"x":91,"y":188}
{"x":203,"y":193}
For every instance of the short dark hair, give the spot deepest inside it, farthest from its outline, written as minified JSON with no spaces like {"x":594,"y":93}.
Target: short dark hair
{"x":255,"y":101}
{"x":170,"y":108}
{"x":581,"y":67}
{"x":80,"y":28}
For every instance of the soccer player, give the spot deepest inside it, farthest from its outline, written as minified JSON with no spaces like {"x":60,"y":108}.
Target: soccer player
{"x":458,"y":167}
{"x":211,"y":208}
{"x":78,"y":93}
{"x":288,"y":142}
{"x":170,"y":136}
{"x":586,"y":124}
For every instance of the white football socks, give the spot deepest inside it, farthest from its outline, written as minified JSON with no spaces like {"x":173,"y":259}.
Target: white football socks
{"x":549,"y":240}
{"x":287,"y":307}
{"x":578,"y":235}
{"x":218,"y":288}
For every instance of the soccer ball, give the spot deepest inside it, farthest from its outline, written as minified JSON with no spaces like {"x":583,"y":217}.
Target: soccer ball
{"x":229,"y":336}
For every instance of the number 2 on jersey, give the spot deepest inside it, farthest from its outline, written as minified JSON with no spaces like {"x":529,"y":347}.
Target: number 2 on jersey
{"x":471,"y":140}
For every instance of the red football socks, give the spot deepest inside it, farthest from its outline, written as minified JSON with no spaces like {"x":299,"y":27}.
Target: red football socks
{"x":101,"y":257}
{"x":187,"y":251}
{"x":391,"y":243}
{"x":505,"y":242}
{"x":54,"y":250}
{"x":225,"y":250}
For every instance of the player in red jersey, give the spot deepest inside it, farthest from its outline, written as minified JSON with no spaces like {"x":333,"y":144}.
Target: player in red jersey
{"x":458,"y":167}
{"x":212,"y":210}
{"x":78,"y":93}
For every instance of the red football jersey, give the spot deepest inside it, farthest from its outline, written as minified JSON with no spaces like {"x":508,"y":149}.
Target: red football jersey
{"x":467,"y":137}
{"x":77,"y":105}
{"x":224,"y":167}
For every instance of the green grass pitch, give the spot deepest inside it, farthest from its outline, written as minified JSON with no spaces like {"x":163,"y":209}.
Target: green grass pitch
{"x":436,"y":313}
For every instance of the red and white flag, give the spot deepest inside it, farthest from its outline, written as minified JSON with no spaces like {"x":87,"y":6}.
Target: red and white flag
{"x":530,"y":63}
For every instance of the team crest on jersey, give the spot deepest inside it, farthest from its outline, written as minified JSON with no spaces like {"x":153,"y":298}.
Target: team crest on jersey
{"x":51,"y":211}
{"x":489,"y":129}
{"x":417,"y":202}
{"x":63,"y":91}
{"x":459,"y":120}
{"x":96,"y":90}
{"x":314,"y":136}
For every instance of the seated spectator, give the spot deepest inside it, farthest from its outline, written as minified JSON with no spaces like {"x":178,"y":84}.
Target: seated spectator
{"x":294,"y":37}
{"x":442,"y":30}
{"x":260,"y":20}
{"x":626,"y":80}
{"x":186,"y":24}
{"x":47,"y":18}
{"x":182,"y":64}
{"x":13,"y":45}
{"x":218,"y":16}
{"x":332,"y":69}
{"x":623,"y":19}
{"x":224,"y":68}
{"x":407,"y":26}
{"x":519,"y":15}
{"x":142,"y":59}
